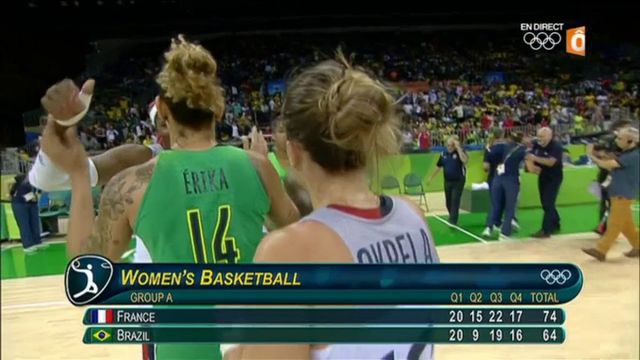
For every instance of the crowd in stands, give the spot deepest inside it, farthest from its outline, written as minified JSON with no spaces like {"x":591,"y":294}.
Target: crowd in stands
{"x":442,"y":87}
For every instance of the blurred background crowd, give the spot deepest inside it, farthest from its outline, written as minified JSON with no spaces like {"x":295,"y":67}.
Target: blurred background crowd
{"x":442,"y":88}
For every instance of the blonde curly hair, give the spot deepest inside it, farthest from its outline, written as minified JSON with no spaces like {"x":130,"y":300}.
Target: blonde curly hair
{"x":188,"y":80}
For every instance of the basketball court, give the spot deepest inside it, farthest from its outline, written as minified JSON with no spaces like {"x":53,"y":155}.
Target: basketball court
{"x":602,"y":322}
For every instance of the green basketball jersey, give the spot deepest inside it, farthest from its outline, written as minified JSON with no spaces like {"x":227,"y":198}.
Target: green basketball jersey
{"x":200,"y":207}
{"x":282,"y":172}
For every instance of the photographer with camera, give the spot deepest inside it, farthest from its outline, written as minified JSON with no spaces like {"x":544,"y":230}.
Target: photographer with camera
{"x":623,"y":191}
{"x":605,"y":147}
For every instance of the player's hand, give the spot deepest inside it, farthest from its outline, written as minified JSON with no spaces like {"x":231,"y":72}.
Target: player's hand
{"x":62,"y":100}
{"x":590,"y":149}
{"x":64,"y":148}
{"x":530,"y":157}
{"x":245,"y":142}
{"x":258,"y":142}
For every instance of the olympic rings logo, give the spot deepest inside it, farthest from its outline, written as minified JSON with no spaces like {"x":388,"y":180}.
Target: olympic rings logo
{"x":542,"y":40}
{"x":555,"y":276}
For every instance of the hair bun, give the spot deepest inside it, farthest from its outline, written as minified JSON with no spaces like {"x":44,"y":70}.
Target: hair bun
{"x":343,"y":117}
{"x":189,"y":75}
{"x":357,"y":109}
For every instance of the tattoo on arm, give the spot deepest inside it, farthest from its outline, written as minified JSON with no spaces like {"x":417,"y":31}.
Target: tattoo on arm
{"x":118,"y":195}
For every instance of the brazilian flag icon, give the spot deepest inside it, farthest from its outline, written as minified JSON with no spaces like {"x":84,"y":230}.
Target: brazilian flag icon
{"x":102,"y":335}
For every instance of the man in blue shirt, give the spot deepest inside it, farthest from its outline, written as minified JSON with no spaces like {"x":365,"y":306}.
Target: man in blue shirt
{"x":623,"y":191}
{"x":490,"y":163}
{"x":24,"y":204}
{"x":546,"y":161}
{"x":452,"y":161}
{"x":506,"y":182}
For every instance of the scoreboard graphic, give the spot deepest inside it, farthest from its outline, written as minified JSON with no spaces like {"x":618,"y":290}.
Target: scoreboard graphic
{"x":325,"y":303}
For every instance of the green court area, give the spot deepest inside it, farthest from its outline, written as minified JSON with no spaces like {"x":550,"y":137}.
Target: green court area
{"x":52,"y":260}
{"x":575,"y":219}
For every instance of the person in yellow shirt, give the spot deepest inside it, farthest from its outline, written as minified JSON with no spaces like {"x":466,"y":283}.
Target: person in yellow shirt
{"x":545,"y":112}
{"x":590,"y":100}
{"x":147,"y":140}
{"x":578,"y":123}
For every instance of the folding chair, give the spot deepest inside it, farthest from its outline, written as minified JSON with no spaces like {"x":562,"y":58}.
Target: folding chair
{"x":57,"y":204}
{"x":390,"y":183}
{"x":413,"y":186}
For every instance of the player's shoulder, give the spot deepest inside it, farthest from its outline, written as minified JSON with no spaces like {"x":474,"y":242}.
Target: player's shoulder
{"x":134,"y":177}
{"x":290,"y":243}
{"x":299,"y":242}
{"x":410,"y":203}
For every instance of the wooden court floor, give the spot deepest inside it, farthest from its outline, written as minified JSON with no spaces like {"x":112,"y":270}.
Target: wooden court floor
{"x":602,"y":322}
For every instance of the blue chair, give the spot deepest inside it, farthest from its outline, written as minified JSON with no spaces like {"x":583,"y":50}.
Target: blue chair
{"x":58,"y":203}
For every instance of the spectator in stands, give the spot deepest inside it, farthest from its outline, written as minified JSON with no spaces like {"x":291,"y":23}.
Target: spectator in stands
{"x":101,"y":136}
{"x":140,"y":131}
{"x":148,"y":141}
{"x":112,"y":135}
{"x":407,"y":139}
{"x":424,"y":138}
{"x":24,"y":203}
{"x":134,"y":112}
{"x":453,"y":160}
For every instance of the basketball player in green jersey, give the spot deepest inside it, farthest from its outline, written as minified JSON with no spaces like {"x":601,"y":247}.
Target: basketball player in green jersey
{"x":195,"y":203}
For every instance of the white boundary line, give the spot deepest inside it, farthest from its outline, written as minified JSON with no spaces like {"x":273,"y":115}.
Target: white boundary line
{"x":19,"y":244}
{"x":459,"y":229}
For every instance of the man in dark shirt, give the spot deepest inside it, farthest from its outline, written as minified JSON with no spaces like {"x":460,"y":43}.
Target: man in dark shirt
{"x":506,"y":183}
{"x":24,"y":204}
{"x":546,"y":161}
{"x":452,"y":161}
{"x":489,"y":166}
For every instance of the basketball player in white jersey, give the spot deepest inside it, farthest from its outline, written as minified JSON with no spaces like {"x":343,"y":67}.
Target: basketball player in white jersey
{"x":338,"y":120}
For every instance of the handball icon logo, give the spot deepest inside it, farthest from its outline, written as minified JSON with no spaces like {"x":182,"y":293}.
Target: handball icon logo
{"x":87,"y":276}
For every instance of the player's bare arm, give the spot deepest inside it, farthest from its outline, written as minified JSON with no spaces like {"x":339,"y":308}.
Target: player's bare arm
{"x":110,"y":233}
{"x":113,"y":161}
{"x":283,"y":210}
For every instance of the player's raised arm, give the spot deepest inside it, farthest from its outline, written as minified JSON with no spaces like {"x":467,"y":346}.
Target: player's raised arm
{"x":122,"y":157}
{"x":283,"y":210}
{"x":108,"y":234}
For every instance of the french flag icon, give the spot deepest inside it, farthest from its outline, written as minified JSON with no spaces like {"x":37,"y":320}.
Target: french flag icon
{"x":102,"y":316}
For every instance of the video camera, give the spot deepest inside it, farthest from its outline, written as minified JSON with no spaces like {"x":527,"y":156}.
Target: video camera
{"x":602,"y":141}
